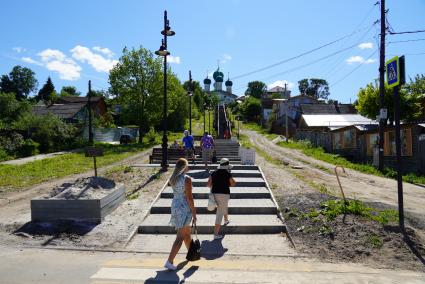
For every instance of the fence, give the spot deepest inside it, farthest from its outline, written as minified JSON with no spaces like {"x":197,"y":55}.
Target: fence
{"x":110,"y":134}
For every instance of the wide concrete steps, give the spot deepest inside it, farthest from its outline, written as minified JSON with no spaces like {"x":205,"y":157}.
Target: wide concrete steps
{"x":236,"y":206}
{"x":239,"y":224}
{"x":214,"y":167}
{"x":240,"y":181}
{"x":235,"y":193}
{"x":235,"y":173}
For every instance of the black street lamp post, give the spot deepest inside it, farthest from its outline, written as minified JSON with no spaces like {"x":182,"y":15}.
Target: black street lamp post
{"x":190,"y":93}
{"x":164,"y":52}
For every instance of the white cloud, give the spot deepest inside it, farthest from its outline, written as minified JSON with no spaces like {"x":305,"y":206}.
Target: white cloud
{"x":55,"y":60}
{"x":360,"y":60}
{"x":19,"y":49}
{"x":225,"y":58}
{"x":31,"y":61}
{"x":281,"y":83}
{"x":366,"y":45}
{"x":173,"y":59}
{"x":104,"y":50}
{"x":97,"y":61}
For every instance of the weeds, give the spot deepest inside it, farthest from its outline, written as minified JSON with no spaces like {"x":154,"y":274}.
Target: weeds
{"x":375,"y":241}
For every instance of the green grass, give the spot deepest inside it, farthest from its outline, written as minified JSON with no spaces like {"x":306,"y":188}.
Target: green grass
{"x":22,"y":176}
{"x":375,"y":241}
{"x":42,"y":170}
{"x":319,"y":153}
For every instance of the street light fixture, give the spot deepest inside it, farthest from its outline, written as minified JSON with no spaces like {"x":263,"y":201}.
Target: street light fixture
{"x":164,"y":52}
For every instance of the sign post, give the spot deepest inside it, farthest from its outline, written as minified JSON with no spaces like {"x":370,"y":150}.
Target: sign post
{"x":94,"y":152}
{"x":396,"y":77}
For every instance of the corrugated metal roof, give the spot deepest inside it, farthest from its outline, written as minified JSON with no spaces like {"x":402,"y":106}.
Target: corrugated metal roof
{"x":335,"y":120}
{"x":64,"y":111}
{"x":327,"y":109}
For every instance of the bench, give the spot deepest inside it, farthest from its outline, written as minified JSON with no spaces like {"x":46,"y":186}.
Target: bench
{"x":172,"y":154}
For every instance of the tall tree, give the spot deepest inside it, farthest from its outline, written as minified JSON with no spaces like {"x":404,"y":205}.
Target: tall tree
{"x":137,"y":82}
{"x":198,"y":93}
{"x":368,"y":103}
{"x":11,"y":109}
{"x":21,"y":81}
{"x":68,"y":91}
{"x":316,"y":88}
{"x":256,"y":89}
{"x":47,"y":92}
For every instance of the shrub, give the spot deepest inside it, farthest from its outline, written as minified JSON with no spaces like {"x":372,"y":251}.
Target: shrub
{"x":3,"y":155}
{"x":28,"y":148}
{"x":12,"y":143}
{"x":151,"y":135}
{"x":49,"y":131}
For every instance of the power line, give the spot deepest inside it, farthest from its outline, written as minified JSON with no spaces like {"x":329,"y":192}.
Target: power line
{"x":409,"y":32}
{"x":408,"y":40}
{"x":297,"y":56}
{"x":352,"y":71}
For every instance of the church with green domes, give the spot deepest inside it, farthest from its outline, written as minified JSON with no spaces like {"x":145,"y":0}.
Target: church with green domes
{"x":225,"y":96}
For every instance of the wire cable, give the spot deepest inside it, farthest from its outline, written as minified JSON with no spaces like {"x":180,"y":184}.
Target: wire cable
{"x":352,"y":71}
{"x":296,"y":56}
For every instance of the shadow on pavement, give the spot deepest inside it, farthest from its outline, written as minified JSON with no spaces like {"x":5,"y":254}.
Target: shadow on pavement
{"x":168,"y":276}
{"x":212,"y":249}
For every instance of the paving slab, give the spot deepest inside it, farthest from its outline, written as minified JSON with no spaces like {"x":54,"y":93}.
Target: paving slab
{"x":270,"y":244}
{"x":236,"y":206}
{"x":239,"y":224}
{"x":235,"y":192}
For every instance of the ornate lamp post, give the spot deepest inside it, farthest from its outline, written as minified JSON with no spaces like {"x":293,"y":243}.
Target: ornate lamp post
{"x":190,"y":94}
{"x":164,"y":52}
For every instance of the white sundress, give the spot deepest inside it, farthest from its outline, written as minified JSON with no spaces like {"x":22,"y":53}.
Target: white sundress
{"x":181,"y":215}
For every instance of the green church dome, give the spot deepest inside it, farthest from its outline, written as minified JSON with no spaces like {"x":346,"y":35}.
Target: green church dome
{"x":228,"y":83}
{"x":207,"y":81}
{"x":218,"y":76}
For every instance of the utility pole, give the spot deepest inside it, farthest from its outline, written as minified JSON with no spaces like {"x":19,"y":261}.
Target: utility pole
{"x":90,"y":118}
{"x":286,"y":116}
{"x":382,"y":122}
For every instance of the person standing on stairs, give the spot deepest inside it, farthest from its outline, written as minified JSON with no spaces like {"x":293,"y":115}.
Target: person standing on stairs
{"x":207,"y":146}
{"x":183,"y":210}
{"x":189,"y":146}
{"x":220,"y":182}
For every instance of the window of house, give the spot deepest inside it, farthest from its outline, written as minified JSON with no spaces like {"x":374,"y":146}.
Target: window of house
{"x":349,"y":138}
{"x":337,"y":141}
{"x":406,"y":143}
{"x":371,"y":142}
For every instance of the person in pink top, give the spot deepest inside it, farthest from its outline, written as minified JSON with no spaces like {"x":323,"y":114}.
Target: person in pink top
{"x":207,"y":145}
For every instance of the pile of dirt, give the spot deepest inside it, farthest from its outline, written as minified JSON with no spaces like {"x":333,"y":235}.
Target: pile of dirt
{"x":83,"y":188}
{"x":348,"y":238}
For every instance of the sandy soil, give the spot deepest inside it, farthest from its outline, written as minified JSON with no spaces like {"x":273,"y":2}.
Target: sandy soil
{"x":142,"y":186}
{"x":349,"y":239}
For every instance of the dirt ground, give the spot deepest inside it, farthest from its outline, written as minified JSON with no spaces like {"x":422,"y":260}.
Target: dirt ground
{"x":142,"y":186}
{"x":350,"y":239}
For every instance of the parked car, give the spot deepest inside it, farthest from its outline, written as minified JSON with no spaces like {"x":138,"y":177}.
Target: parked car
{"x":127,"y":138}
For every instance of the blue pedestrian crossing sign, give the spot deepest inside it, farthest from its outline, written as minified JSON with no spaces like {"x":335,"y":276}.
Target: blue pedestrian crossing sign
{"x":393,"y":72}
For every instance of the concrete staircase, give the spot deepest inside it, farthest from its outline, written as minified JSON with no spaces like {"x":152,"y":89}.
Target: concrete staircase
{"x":251,"y":207}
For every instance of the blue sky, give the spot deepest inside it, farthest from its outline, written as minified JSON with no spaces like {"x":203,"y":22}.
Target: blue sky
{"x":74,"y":41}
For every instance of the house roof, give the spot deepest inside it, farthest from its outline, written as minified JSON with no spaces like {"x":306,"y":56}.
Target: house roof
{"x":335,"y":120}
{"x":364,"y":127}
{"x":75,"y":99}
{"x":276,"y":89}
{"x":422,"y":125}
{"x":302,"y":95}
{"x":64,"y":111}
{"x":328,"y":109}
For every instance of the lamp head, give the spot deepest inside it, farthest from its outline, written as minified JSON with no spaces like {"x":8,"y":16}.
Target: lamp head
{"x":162,"y":51}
